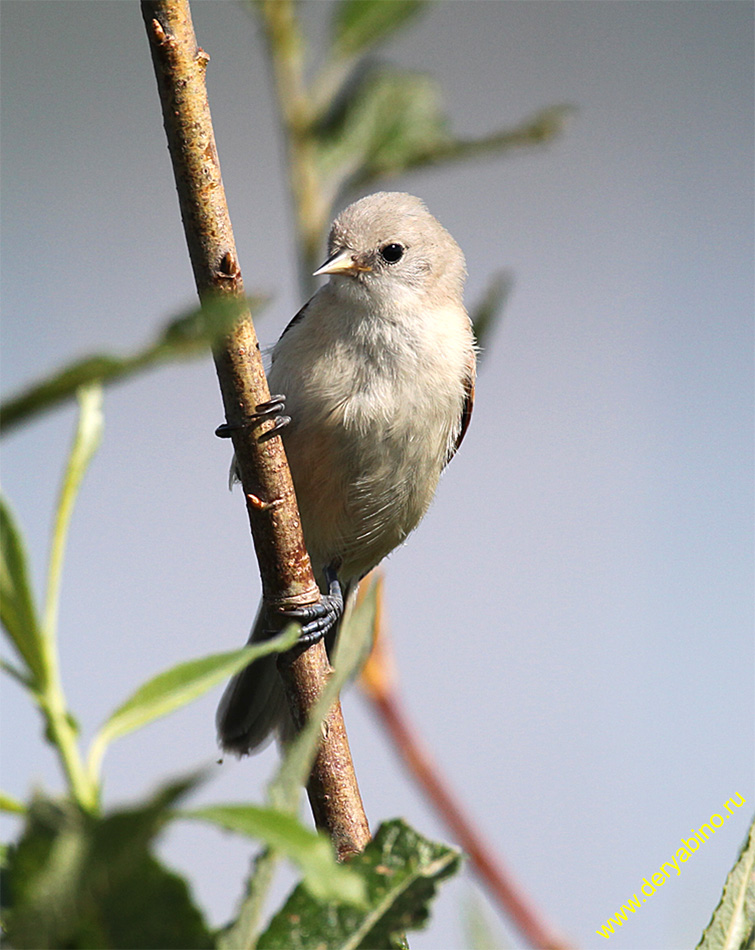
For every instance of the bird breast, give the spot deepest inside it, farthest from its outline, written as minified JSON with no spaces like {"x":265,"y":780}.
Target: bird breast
{"x":373,"y":410}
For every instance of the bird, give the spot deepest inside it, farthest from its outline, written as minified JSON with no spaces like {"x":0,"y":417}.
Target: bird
{"x":377,"y":374}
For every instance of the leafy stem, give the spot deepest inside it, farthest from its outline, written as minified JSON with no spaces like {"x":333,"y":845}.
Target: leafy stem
{"x":310,"y":205}
{"x":60,"y":724}
{"x":37,"y":642}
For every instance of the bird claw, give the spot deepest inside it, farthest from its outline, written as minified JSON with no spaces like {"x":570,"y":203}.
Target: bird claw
{"x":272,"y":409}
{"x":319,"y":619}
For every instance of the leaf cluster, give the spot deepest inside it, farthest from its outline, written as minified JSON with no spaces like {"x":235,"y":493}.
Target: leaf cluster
{"x":76,"y":880}
{"x":81,"y":881}
{"x":372,"y":120}
{"x":401,"y":871}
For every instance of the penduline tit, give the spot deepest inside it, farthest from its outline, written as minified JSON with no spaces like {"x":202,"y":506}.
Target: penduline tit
{"x":377,"y":372}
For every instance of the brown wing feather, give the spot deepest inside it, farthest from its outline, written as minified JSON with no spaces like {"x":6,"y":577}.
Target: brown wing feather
{"x":466,"y":414}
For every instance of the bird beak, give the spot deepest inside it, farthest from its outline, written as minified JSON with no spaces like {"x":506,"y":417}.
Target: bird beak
{"x":342,"y":262}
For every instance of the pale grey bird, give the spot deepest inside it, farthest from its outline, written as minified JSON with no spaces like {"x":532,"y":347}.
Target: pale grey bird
{"x":378,"y":372}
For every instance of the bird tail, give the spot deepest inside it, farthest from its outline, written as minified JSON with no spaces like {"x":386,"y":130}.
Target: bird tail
{"x":253,"y":707}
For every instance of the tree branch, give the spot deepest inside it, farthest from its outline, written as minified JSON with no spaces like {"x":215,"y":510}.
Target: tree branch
{"x":378,"y":683}
{"x":286,"y":573}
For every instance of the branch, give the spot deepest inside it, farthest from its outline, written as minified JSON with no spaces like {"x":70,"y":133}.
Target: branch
{"x":296,"y":111}
{"x":286,"y":573}
{"x":540,"y":129}
{"x":378,"y":684}
{"x":182,"y":338}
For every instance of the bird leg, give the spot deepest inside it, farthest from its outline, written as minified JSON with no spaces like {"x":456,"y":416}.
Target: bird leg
{"x":318,"y":619}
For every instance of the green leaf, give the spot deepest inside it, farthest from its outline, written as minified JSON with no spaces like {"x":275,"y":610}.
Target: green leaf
{"x":11,"y":805}
{"x":178,"y":686}
{"x":384,"y":123}
{"x":41,"y":874}
{"x":486,"y":313}
{"x":85,"y":442}
{"x":17,"y":610}
{"x":401,"y":870}
{"x":358,"y":24}
{"x":78,"y":881}
{"x":323,"y":876}
{"x":184,"y":337}
{"x":732,"y":926}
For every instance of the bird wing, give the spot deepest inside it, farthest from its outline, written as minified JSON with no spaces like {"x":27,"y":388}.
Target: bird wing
{"x":295,"y":319}
{"x":466,"y":412}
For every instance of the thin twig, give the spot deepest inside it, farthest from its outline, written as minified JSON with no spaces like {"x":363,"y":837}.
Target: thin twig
{"x":182,"y":338}
{"x":311,"y":205}
{"x":540,"y":129}
{"x":378,"y":684}
{"x":287,"y":579}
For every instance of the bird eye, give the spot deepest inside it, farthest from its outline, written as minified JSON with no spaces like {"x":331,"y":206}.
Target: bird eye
{"x":391,"y":253}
